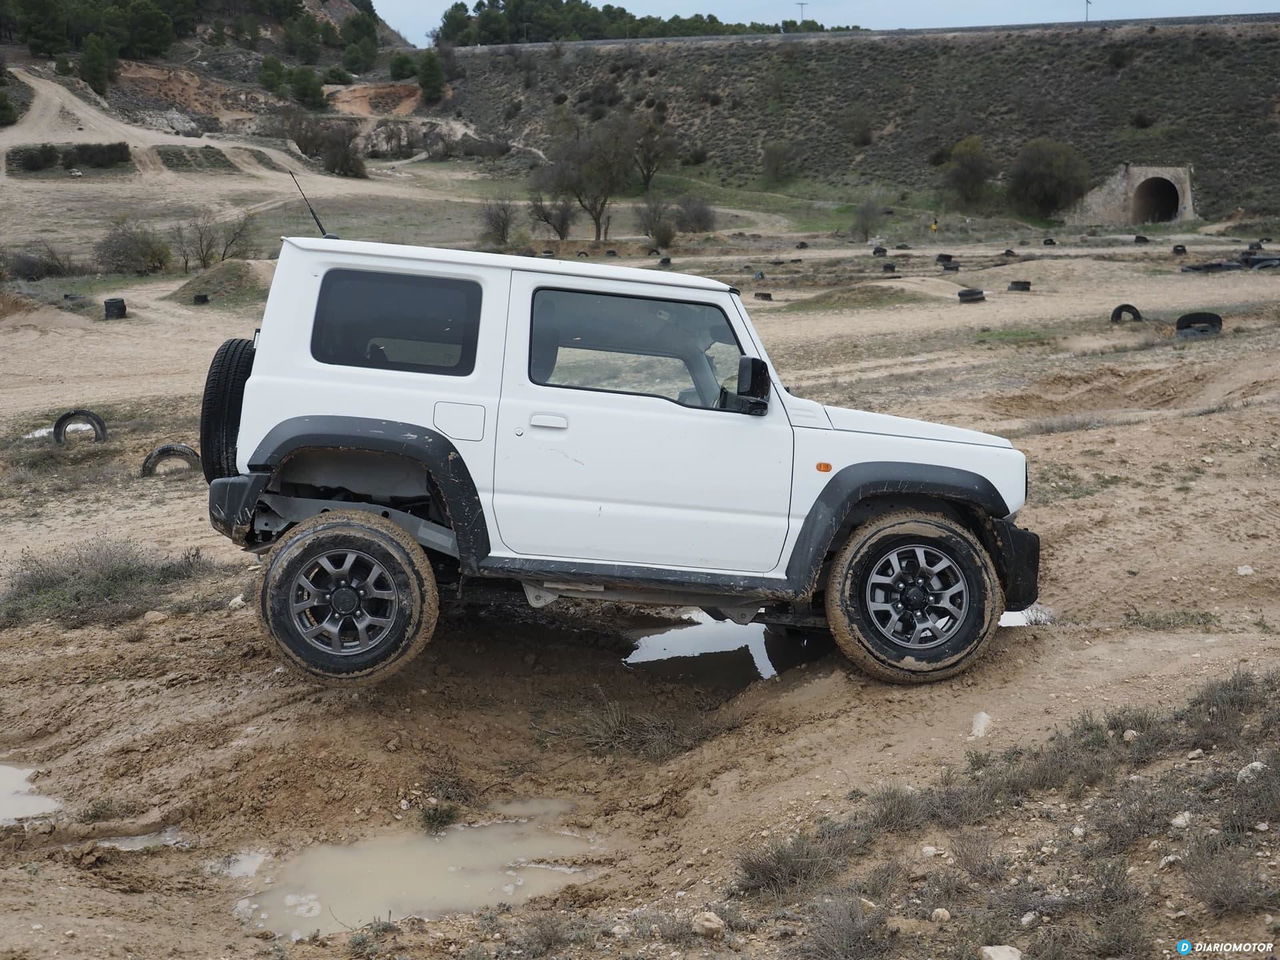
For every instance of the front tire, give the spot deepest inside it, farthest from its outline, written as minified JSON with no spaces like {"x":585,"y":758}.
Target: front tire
{"x":913,"y":597}
{"x":349,"y":597}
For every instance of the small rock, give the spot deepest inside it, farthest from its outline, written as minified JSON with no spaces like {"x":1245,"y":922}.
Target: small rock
{"x":1029,"y":918}
{"x":708,"y":924}
{"x":940,"y":915}
{"x":1000,"y":953}
{"x":1181,"y":821}
{"x":1262,"y":827}
{"x":1250,"y":771}
{"x":620,"y":931}
{"x":929,"y":851}
{"x":1206,"y":459}
{"x":1169,"y":861}
{"x":236,"y":602}
{"x":1244,"y":570}
{"x":981,"y":720}
{"x":1195,"y":754}
{"x":1131,"y":735}
{"x":1077,"y":831}
{"x":154,"y":616}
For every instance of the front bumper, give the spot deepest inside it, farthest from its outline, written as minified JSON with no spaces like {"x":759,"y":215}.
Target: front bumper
{"x":1017,"y":556}
{"x":232,"y":501}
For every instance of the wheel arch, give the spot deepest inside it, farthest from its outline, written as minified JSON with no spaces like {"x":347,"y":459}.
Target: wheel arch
{"x":864,"y":490}
{"x":361,"y":443}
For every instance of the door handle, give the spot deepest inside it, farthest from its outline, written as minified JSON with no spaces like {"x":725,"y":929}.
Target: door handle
{"x":553,"y":421}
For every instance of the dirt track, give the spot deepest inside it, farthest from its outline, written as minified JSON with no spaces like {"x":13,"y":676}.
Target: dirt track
{"x":1151,"y":500}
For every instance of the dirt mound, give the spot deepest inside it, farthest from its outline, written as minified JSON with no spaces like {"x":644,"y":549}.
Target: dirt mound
{"x":1164,"y":387}
{"x":377,"y":99}
{"x":232,"y":282}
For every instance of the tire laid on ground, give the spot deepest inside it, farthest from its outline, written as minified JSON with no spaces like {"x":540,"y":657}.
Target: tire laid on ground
{"x":349,"y":597}
{"x":220,"y":408}
{"x":79,"y":416}
{"x":1020,"y":286}
{"x":923,"y":639}
{"x":1126,"y":310}
{"x":169,"y":451}
{"x":971,"y":296}
{"x":1179,"y":249}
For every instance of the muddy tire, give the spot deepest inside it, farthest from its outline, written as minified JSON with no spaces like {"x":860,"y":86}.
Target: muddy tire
{"x":79,"y":416}
{"x":169,"y":451}
{"x":349,"y":598}
{"x":905,"y":622}
{"x":1126,"y":310}
{"x":220,"y":408}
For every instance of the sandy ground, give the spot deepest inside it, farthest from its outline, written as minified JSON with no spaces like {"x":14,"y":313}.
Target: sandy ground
{"x":1158,"y":498}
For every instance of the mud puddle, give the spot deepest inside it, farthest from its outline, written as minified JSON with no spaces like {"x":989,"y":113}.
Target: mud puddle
{"x":17,"y":798}
{"x":721,"y":653}
{"x":331,"y":888}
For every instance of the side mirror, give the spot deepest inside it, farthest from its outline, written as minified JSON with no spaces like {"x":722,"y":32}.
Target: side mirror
{"x":753,"y":386}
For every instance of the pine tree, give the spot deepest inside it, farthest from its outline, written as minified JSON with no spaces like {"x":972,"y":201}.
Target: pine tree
{"x":95,"y":64}
{"x":430,"y":76}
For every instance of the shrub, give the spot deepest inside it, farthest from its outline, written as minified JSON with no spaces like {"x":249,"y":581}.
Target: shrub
{"x":496,"y":220}
{"x":100,"y":155}
{"x":341,"y":155}
{"x":650,"y":212}
{"x":696,"y":156}
{"x":102,"y":581}
{"x":856,"y":126}
{"x":336,"y":74}
{"x":95,"y":64}
{"x":867,"y":216}
{"x":359,"y":57}
{"x":1142,"y":120}
{"x":48,"y":261}
{"x":8,"y":114}
{"x":969,"y":169}
{"x":556,"y":214}
{"x":775,"y":161}
{"x":272,"y":74}
{"x":131,"y":247}
{"x":435,"y":817}
{"x":33,"y":159}
{"x":843,"y":931}
{"x":664,"y":233}
{"x":1047,"y":177}
{"x":402,"y":66}
{"x":694,"y":215}
{"x":306,"y":88}
{"x":62,"y":66}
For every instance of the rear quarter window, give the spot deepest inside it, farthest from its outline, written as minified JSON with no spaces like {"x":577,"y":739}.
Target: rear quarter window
{"x":394,"y":321}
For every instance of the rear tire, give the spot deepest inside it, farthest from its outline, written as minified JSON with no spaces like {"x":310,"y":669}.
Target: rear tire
{"x":349,"y":598}
{"x":904,"y":624}
{"x":220,"y":408}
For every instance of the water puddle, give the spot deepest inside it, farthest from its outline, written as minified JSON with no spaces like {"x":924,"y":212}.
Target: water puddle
{"x":168,"y":837}
{"x":1034,"y":616}
{"x":330,"y":888}
{"x":18,"y":800}
{"x":722,"y":653}
{"x":48,"y":431}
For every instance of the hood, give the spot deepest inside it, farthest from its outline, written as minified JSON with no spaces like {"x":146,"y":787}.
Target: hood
{"x":860,"y":421}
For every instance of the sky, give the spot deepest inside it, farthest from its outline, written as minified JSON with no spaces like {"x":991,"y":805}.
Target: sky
{"x":414,"y":18}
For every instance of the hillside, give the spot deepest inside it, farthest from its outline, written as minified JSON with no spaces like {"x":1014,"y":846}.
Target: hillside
{"x":1204,"y":95}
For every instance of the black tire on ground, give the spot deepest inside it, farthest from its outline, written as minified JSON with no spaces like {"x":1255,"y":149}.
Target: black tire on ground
{"x":971,"y":296}
{"x":942,"y":258}
{"x":1265,"y":265}
{"x":802,"y":245}
{"x":761,"y":295}
{"x":1126,"y":310}
{"x":1008,"y":253}
{"x":79,"y":416}
{"x":664,"y":262}
{"x":1139,"y":238}
{"x":1203,"y":321}
{"x":903,"y":246}
{"x":1050,"y":242}
{"x":380,"y":558}
{"x":1179,"y":249}
{"x":861,"y":574}
{"x":951,"y":267}
{"x":879,"y":252}
{"x":220,"y":408}
{"x":169,"y":451}
{"x":889,"y":267}
{"x":1020,"y":286}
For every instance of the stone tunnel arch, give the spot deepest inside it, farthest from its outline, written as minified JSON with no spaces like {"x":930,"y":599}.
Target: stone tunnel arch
{"x":1156,"y":200}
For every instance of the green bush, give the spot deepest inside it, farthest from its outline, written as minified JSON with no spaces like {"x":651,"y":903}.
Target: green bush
{"x":33,"y":159}
{"x":430,"y":76}
{"x":968,"y":170}
{"x":402,"y":66}
{"x":306,"y":87}
{"x":336,"y":74}
{"x":62,"y":66}
{"x":8,"y":114}
{"x":1047,"y":177}
{"x":272,"y":74}
{"x":100,"y":155}
{"x":359,"y":57}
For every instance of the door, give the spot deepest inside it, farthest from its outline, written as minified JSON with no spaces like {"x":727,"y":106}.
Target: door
{"x":613,"y":440}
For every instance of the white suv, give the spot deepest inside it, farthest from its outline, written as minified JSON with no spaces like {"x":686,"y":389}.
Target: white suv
{"x":411,"y":422}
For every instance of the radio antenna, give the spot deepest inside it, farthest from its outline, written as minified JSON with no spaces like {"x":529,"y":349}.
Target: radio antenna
{"x":323,"y":233}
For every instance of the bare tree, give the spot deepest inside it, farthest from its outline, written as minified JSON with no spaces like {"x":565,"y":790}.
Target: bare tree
{"x":497,"y":217}
{"x":650,"y":212}
{"x":556,"y":214}
{"x":235,"y":237}
{"x":653,"y":149}
{"x":694,"y":215}
{"x":196,"y":240}
{"x":591,"y":168}
{"x":867,"y":216}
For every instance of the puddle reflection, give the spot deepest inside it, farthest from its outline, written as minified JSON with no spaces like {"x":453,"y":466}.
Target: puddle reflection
{"x":18,"y":800}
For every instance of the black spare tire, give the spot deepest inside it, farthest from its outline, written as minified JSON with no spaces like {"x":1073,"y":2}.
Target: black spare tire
{"x":220,"y":409}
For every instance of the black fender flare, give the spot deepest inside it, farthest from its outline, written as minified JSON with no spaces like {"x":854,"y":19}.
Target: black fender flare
{"x":860,"y":482}
{"x":435,"y":451}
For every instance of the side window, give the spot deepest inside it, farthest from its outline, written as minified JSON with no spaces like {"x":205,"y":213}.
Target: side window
{"x":680,"y":351}
{"x":394,"y":321}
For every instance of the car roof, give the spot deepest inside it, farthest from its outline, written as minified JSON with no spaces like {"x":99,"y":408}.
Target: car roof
{"x":567,"y":268}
